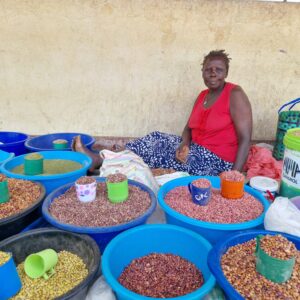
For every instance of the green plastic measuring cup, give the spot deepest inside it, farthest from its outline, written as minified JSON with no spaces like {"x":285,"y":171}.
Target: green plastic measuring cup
{"x":60,"y":144}
{"x":274,"y":269}
{"x":41,"y":264}
{"x":117,"y":191}
{"x":33,"y":164}
{"x":4,"y":192}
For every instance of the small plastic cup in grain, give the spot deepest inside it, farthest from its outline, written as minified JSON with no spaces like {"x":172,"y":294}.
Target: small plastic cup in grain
{"x":117,"y":192}
{"x":200,"y":191}
{"x":4,"y":191}
{"x":41,"y":264}
{"x":86,"y":189}
{"x":60,"y":144}
{"x":274,"y":269}
{"x":232,"y":189}
{"x":33,"y":164}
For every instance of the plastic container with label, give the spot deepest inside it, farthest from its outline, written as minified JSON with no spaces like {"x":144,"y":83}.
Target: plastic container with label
{"x":290,"y":178}
{"x":265,"y":185}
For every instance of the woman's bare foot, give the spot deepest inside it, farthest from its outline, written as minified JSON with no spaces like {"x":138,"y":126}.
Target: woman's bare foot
{"x":78,"y":146}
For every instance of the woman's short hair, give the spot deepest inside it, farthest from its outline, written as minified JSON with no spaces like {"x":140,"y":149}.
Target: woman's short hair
{"x":217,"y":54}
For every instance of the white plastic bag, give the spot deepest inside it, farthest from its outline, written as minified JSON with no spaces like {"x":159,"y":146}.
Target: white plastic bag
{"x":283,"y":216}
{"x":130,"y":164}
{"x":100,"y":290}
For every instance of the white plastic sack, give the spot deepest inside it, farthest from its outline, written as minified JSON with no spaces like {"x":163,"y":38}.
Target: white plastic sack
{"x":129,"y":164}
{"x":283,"y":216}
{"x":100,"y":290}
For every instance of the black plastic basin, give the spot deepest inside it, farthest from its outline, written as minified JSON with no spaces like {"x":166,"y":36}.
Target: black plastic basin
{"x":16,"y":223}
{"x":23,"y":244}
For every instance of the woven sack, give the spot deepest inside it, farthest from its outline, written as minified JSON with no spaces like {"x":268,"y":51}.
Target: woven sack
{"x":286,"y":120}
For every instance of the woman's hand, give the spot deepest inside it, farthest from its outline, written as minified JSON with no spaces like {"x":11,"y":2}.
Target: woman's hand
{"x":183,"y":150}
{"x":182,"y":153}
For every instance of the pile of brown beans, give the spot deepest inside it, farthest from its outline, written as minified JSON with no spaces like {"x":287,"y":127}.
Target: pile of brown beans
{"x":232,"y":176}
{"x":100,"y":212}
{"x":239,"y":267}
{"x":85,"y":180}
{"x":218,"y":210}
{"x":23,"y":193}
{"x":201,"y":183}
{"x":4,"y":257}
{"x":161,"y":276}
{"x":69,"y":272}
{"x":278,"y":246}
{"x":114,"y":178}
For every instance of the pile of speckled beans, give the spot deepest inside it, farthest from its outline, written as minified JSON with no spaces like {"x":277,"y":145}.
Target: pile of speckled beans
{"x":239,"y":267}
{"x":23,"y":193}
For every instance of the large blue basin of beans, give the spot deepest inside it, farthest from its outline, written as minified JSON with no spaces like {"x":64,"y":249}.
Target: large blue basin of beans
{"x":101,"y":234}
{"x":156,"y":238}
{"x":215,"y":256}
{"x":213,"y":232}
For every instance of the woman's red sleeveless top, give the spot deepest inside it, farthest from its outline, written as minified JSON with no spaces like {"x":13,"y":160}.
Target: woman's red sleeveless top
{"x":213,"y":127}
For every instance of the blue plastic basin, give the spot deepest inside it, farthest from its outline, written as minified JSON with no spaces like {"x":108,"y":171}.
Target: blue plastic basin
{"x":159,"y":238}
{"x":50,"y":182}
{"x":44,"y":142}
{"x":213,"y":232}
{"x":102,"y":235}
{"x":5,"y":156}
{"x":13,"y":142}
{"x":215,"y":256}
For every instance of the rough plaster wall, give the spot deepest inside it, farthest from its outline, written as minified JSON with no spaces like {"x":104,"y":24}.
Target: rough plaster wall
{"x":127,"y":67}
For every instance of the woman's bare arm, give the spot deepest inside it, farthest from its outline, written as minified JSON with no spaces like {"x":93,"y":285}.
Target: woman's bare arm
{"x":241,"y":113}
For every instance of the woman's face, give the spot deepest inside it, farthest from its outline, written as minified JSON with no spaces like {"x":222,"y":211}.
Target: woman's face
{"x":214,"y":73}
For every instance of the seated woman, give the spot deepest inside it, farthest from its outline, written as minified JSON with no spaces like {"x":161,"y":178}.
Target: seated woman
{"x":217,"y":135}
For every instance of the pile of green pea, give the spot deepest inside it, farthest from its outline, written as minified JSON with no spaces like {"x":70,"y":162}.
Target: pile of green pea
{"x":4,"y":257}
{"x":69,"y":272}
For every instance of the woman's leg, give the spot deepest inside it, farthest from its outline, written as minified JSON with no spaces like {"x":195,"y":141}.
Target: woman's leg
{"x":78,"y":146}
{"x":203,"y":162}
{"x":158,"y":149}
